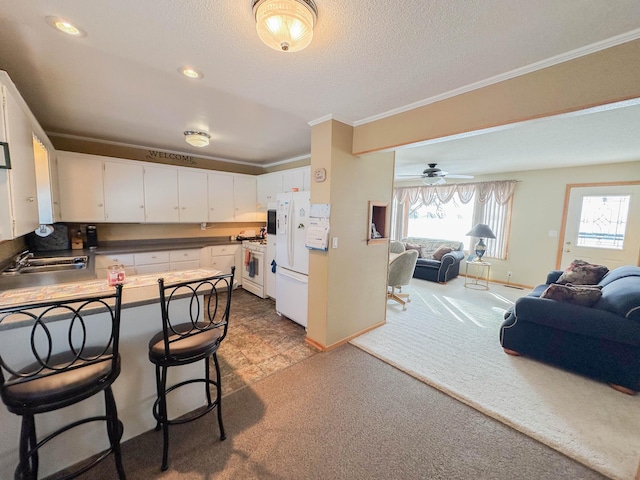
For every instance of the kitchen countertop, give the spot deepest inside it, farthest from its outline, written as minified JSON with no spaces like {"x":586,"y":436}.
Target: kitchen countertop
{"x":137,"y":290}
{"x":27,"y":280}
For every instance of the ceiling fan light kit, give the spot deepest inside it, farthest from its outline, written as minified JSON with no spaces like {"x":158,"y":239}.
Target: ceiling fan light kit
{"x":285,"y":25}
{"x":197,"y":138}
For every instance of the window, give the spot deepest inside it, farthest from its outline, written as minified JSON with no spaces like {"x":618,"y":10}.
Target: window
{"x":450,"y":211}
{"x":603,"y":221}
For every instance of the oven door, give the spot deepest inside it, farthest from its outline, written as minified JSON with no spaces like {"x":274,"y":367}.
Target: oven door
{"x":253,"y":266}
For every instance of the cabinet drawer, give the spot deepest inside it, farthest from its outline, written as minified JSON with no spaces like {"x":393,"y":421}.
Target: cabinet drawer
{"x":152,"y":268}
{"x":103,"y":261}
{"x":223,"y":250}
{"x":151,"y":258}
{"x":187,"y":265}
{"x":223,"y":263}
{"x":184,"y":255}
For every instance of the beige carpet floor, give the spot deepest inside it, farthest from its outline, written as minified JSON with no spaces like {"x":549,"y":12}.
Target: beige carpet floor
{"x":449,"y":338}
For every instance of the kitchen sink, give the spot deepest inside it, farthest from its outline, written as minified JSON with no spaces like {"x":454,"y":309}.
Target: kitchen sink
{"x":47,"y":264}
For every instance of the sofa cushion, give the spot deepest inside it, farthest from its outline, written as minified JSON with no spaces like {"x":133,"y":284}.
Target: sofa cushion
{"x":440,"y":252}
{"x":622,"y":297}
{"x":583,"y":273}
{"x":585,"y":295}
{"x":413,"y":246}
{"x":430,"y":245}
{"x":428,"y":263}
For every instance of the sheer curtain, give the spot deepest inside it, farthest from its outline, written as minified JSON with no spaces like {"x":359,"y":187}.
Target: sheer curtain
{"x":492,"y":206}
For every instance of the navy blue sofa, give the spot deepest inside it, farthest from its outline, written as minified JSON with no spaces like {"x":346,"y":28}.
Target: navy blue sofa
{"x":428,"y":268}
{"x":601,"y":342}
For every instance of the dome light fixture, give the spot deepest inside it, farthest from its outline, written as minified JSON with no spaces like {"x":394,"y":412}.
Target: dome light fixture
{"x":65,"y":26}
{"x":197,"y":138}
{"x":285,"y":25}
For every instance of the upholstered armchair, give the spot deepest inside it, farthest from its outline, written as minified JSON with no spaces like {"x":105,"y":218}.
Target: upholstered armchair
{"x":396,"y":246}
{"x":400,"y":273}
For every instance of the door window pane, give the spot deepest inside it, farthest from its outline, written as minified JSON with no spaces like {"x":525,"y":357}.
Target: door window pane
{"x":603,"y":221}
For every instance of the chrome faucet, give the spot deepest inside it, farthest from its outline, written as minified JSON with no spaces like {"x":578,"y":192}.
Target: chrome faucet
{"x":22,"y":259}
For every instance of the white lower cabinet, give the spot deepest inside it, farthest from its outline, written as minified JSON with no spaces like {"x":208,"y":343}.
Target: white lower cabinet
{"x":151,"y":262}
{"x":104,"y":261}
{"x":223,"y":257}
{"x":184,"y":259}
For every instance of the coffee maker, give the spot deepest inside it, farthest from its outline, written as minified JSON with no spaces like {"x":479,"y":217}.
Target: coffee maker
{"x":92,"y":237}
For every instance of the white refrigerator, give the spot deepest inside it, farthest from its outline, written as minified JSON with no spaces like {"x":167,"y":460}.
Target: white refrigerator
{"x":292,"y":257}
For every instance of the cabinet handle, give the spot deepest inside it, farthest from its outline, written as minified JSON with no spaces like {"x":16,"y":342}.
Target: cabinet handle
{"x":141,"y":206}
{"x":175,"y":208}
{"x":184,"y":208}
{"x":31,"y":199}
{"x":99,"y":204}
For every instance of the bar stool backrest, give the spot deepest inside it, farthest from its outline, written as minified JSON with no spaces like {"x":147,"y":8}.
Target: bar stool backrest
{"x":52,"y":337}
{"x":209,"y":302}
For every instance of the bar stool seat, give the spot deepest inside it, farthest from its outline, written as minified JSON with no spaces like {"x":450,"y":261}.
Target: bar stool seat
{"x":69,"y":363}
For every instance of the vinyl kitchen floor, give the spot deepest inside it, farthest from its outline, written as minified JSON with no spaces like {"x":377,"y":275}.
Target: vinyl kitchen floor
{"x":259,"y":342}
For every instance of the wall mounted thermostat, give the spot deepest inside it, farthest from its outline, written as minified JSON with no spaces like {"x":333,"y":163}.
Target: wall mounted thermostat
{"x":319,"y":175}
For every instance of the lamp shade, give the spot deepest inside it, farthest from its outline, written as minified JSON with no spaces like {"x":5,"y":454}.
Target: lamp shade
{"x":481,"y":230}
{"x":285,"y":25}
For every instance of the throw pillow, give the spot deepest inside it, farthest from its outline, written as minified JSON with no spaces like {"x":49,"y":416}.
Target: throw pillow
{"x":584,"y":295}
{"x":441,"y":252}
{"x":583,"y":273}
{"x":413,"y":246}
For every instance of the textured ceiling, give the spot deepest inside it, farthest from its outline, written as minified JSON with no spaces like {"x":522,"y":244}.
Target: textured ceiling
{"x":121,"y":84}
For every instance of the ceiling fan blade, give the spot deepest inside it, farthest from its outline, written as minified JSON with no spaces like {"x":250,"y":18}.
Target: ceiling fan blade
{"x":459,"y":176}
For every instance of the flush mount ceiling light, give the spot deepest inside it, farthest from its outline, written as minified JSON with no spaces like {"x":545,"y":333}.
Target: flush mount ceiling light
{"x":65,"y":26}
{"x":191,"y":72}
{"x":196,"y":138}
{"x":285,"y":25}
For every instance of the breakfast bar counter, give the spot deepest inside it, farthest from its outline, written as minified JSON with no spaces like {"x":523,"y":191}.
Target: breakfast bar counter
{"x":135,"y":388}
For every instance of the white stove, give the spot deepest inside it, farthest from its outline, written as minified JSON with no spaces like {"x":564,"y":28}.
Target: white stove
{"x":253,"y":266}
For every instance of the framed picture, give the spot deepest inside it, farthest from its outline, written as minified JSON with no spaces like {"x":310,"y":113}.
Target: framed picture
{"x":5,"y":161}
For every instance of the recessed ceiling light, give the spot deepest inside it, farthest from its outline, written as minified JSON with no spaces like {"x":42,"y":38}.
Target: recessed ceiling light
{"x":191,"y":72}
{"x":65,"y":26}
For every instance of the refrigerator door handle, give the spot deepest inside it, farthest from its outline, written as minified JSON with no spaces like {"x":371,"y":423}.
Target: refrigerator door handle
{"x":291,"y":234}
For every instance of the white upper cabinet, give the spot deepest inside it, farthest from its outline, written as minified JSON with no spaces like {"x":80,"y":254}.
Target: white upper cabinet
{"x":294,"y":178}
{"x":19,"y":197}
{"x":81,"y":187}
{"x":192,"y":195}
{"x":221,"y":197}
{"x":244,"y":198}
{"x":268,"y":186}
{"x":123,"y":192}
{"x":161,"y":194}
{"x":104,"y":189}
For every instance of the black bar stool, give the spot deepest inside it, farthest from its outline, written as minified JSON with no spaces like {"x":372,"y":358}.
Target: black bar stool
{"x":195,"y":317}
{"x":62,"y":370}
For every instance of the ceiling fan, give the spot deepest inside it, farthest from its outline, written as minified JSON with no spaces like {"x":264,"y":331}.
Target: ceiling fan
{"x":434,"y":176}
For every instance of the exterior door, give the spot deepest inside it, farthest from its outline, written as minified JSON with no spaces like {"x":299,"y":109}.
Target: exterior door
{"x":600,"y":226}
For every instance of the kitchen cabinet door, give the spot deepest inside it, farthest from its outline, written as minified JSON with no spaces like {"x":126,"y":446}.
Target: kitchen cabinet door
{"x":293,"y":178}
{"x":220,"y":186}
{"x":268,"y":186}
{"x":244,"y":198}
{"x":192,"y":195}
{"x":81,"y":188}
{"x":123,"y":192}
{"x":161,"y":195}
{"x":18,"y":185}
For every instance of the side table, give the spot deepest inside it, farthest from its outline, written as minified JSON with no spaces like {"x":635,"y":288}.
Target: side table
{"x":482,"y":275}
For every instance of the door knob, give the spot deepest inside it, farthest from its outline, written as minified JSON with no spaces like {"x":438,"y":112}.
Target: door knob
{"x":567,"y":250}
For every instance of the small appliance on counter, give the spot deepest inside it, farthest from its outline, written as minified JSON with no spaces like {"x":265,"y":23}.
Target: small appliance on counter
{"x":92,"y":237}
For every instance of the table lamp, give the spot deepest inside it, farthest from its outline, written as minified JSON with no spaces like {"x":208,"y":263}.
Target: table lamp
{"x":480,"y":231}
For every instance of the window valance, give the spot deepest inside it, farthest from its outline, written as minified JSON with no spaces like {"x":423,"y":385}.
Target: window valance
{"x":501,"y":190}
